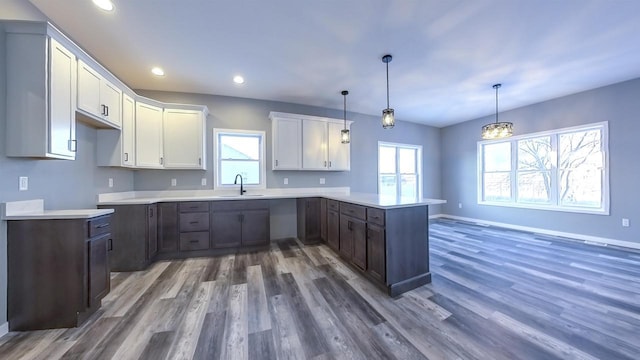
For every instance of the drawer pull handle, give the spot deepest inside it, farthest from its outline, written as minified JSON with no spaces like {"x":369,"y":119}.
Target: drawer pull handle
{"x":102,"y":226}
{"x":194,"y":222}
{"x":194,"y":241}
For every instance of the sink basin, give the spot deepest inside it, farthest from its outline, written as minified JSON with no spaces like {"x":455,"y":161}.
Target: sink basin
{"x":240,"y":196}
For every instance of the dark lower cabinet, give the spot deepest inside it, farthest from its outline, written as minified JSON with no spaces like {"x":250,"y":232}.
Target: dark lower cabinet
{"x":353,"y":240}
{"x":308,"y":216}
{"x":58,"y":271}
{"x":239,"y":223}
{"x":168,"y":234}
{"x":333,"y":225}
{"x":376,"y":252}
{"x":135,"y":236}
{"x":323,"y":220}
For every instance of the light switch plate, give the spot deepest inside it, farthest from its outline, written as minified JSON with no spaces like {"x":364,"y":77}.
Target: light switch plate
{"x":625,"y":222}
{"x":203,"y":182}
{"x":24,"y":183}
{"x":110,"y":182}
{"x":321,"y":181}
{"x":174,"y":182}
{"x":286,"y":181}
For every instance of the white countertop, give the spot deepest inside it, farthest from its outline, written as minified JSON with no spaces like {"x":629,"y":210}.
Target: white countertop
{"x":340,"y":194}
{"x":34,"y":210}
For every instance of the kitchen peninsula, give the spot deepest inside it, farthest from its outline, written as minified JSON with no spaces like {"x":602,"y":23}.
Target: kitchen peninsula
{"x":384,"y":237}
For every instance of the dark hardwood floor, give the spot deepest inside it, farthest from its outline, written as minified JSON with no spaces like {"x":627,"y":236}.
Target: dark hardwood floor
{"x":496,"y":294}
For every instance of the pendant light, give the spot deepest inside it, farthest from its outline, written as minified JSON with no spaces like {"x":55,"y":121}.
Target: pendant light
{"x":497,"y":129}
{"x":345,"y":136}
{"x":388,"y":120}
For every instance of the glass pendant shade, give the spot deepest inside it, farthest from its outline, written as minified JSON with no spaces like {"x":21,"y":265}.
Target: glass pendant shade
{"x":497,"y":130}
{"x":345,"y":137}
{"x":388,"y":120}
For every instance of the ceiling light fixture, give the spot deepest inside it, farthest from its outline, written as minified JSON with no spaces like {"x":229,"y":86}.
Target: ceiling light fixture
{"x":388,"y":120}
{"x":497,"y":129}
{"x":157,"y":71}
{"x":105,"y":5}
{"x":345,"y":137}
{"x":238,"y":79}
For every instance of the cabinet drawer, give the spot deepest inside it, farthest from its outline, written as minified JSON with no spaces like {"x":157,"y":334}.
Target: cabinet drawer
{"x":356,"y":211}
{"x":333,"y":205}
{"x":193,"y":206}
{"x":375,"y":216}
{"x":98,"y":226}
{"x":194,"y":241}
{"x":194,"y":222}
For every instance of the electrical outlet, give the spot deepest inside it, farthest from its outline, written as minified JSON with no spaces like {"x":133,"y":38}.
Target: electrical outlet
{"x":203,"y":182}
{"x":24,"y":183}
{"x":321,"y":181}
{"x":174,"y":182}
{"x":459,"y":205}
{"x":286,"y":181}
{"x":110,"y":182}
{"x":625,"y":222}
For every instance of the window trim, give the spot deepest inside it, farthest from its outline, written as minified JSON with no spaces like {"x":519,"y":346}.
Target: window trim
{"x":603,"y":126}
{"x":418,"y":149}
{"x":216,"y":159}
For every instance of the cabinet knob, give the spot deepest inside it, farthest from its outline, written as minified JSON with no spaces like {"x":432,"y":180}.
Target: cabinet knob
{"x":276,"y":162}
{"x":161,"y":161}
{"x":126,"y":156}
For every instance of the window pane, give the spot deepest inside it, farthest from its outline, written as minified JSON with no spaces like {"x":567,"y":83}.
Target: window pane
{"x":534,"y":187}
{"x":407,"y":161}
{"x":245,"y":147}
{"x":408,"y":186}
{"x":580,"y":149}
{"x":387,"y":185}
{"x":497,"y":186}
{"x":582,"y":187}
{"x":534,"y":154}
{"x":387,"y":160}
{"x":250,"y":171}
{"x":497,"y":157}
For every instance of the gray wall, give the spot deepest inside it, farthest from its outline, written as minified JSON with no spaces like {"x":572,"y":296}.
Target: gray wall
{"x":618,"y":104}
{"x":249,"y":114}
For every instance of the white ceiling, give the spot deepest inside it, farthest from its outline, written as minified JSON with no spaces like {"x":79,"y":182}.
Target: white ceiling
{"x":446,"y":54}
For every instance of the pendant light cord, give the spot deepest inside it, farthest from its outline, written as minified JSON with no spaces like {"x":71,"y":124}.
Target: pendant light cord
{"x":345,"y":111}
{"x":387,"y":84}
{"x":497,"y":86}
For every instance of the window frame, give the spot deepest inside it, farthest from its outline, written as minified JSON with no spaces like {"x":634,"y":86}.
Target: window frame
{"x":418,"y":149}
{"x":217,"y":161}
{"x":555,"y":201}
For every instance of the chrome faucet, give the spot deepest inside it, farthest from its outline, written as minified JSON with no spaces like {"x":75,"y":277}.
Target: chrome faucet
{"x":235,"y":182}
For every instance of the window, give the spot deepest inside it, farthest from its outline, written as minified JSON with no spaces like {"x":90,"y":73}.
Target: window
{"x":239,"y":152}
{"x":399,"y":170}
{"x":564,"y":170}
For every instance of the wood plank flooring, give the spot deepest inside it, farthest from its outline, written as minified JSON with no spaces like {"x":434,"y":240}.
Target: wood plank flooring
{"x":496,"y":294}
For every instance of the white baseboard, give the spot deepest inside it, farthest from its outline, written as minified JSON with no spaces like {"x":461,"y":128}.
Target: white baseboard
{"x":4,"y":329}
{"x":578,"y":237}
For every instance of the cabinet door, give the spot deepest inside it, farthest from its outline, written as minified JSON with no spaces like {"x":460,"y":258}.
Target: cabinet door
{"x":62,"y":102}
{"x":99,"y":274}
{"x":333,"y":230}
{"x":314,"y":145}
{"x":168,"y":227}
{"x":323,"y":220}
{"x":110,"y":103}
{"x":255,"y":227}
{"x":359,"y":236}
{"x":226,"y":228}
{"x":152,"y":231}
{"x":183,"y":139}
{"x":287,"y":144}
{"x":346,"y":237}
{"x":376,"y":252}
{"x":128,"y":131}
{"x":148,"y":136}
{"x":88,"y":89}
{"x":339,"y":153}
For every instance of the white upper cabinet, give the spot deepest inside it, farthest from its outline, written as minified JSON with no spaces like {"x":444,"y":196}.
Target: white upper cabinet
{"x":339,"y":154}
{"x":303,"y":142}
{"x":117,"y":147}
{"x":314,"y":145}
{"x":148,"y":136}
{"x":287,"y":143}
{"x":41,"y":93}
{"x":97,"y":97}
{"x":184,"y":139}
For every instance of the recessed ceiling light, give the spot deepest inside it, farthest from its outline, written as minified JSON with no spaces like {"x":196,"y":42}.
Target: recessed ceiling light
{"x":105,"y":5}
{"x":157,"y":71}
{"x":238,"y":79}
